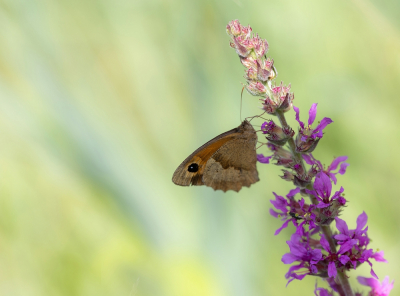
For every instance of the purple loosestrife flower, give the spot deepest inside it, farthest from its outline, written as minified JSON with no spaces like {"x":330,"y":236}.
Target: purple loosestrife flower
{"x":331,"y":257}
{"x":322,"y":191}
{"x":321,"y":291}
{"x":309,"y":158}
{"x":354,"y":243}
{"x":290,"y":210}
{"x":308,"y":138}
{"x":377,"y":289}
{"x":302,"y":252}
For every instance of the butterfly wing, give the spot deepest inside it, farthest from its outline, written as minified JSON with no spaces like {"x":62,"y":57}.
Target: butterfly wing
{"x":233,"y":165}
{"x":226,"y":162}
{"x":185,"y":176}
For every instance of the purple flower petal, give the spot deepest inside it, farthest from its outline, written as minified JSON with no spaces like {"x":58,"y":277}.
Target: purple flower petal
{"x":320,"y":127}
{"x":366,"y":255}
{"x":371,"y":282}
{"x":263,"y":159}
{"x":361,"y":221}
{"x":288,"y":258}
{"x":322,"y":292}
{"x":324,"y":243}
{"x":313,"y":269}
{"x":341,"y":237}
{"x":338,"y":193}
{"x":341,"y":200}
{"x":333,"y":178}
{"x":312,"y":114}
{"x":279,"y":203}
{"x":322,"y":205}
{"x":323,"y":185}
{"x":284,"y":225}
{"x":347,"y":246}
{"x":332,"y":272}
{"x":336,"y":162}
{"x":293,"y":192}
{"x":343,"y":168}
{"x":378,"y":256}
{"x":344,"y":259}
{"x":372,"y":272}
{"x":274,"y":214}
{"x":376,"y":287}
{"x":299,"y":229}
{"x":308,"y":159}
{"x":292,"y":269}
{"x":298,"y":116}
{"x":316,"y":256}
{"x":341,"y":226}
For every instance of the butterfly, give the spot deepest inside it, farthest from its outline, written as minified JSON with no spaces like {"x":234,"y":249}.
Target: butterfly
{"x":227,"y":162}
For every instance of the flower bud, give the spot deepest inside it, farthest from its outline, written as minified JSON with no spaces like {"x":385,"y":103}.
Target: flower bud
{"x":281,"y":99}
{"x":260,"y":46}
{"x":265,"y":69}
{"x":234,"y":28}
{"x":301,"y":182}
{"x":305,"y":146}
{"x":256,"y":88}
{"x":288,"y":176}
{"x":275,"y":133}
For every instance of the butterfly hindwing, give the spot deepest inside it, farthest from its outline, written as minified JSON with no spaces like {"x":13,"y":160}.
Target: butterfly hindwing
{"x":234,"y":164}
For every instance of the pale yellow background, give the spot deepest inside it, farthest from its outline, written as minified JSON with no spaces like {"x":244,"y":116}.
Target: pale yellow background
{"x":101,"y":100}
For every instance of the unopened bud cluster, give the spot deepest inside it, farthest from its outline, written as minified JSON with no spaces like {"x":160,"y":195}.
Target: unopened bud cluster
{"x":260,"y":70}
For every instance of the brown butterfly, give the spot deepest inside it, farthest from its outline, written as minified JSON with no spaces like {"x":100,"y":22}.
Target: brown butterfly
{"x":227,"y":162}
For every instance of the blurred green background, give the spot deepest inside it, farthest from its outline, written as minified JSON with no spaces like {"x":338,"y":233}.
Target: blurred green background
{"x":101,"y":100}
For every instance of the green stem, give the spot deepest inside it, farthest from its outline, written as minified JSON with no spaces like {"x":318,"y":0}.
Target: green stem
{"x":326,"y":230}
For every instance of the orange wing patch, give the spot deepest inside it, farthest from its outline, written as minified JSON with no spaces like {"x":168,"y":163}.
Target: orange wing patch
{"x":184,"y":176}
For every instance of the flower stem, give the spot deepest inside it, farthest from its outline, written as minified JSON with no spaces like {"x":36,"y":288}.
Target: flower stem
{"x":326,"y":230}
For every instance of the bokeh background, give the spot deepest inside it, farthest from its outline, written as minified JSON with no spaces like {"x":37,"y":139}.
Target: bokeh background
{"x":100,"y":101}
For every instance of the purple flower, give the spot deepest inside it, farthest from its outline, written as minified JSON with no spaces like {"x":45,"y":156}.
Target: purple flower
{"x":290,"y":210}
{"x":322,"y":191}
{"x":301,"y":251}
{"x":377,"y":289}
{"x":331,"y":258}
{"x":275,"y":134}
{"x":307,"y":138}
{"x":321,"y":291}
{"x":317,"y":132}
{"x":282,"y":156}
{"x":359,"y":233}
{"x":309,"y":158}
{"x":263,"y":159}
{"x":353,"y":243}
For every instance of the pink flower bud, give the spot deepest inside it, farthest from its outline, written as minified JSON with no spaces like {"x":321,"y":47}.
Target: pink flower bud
{"x":260,"y":46}
{"x":234,"y":28}
{"x":256,"y":88}
{"x":248,"y":62}
{"x":251,"y":74}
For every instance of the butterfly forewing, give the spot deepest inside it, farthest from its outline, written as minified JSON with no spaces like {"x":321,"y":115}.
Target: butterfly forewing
{"x":190,"y":172}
